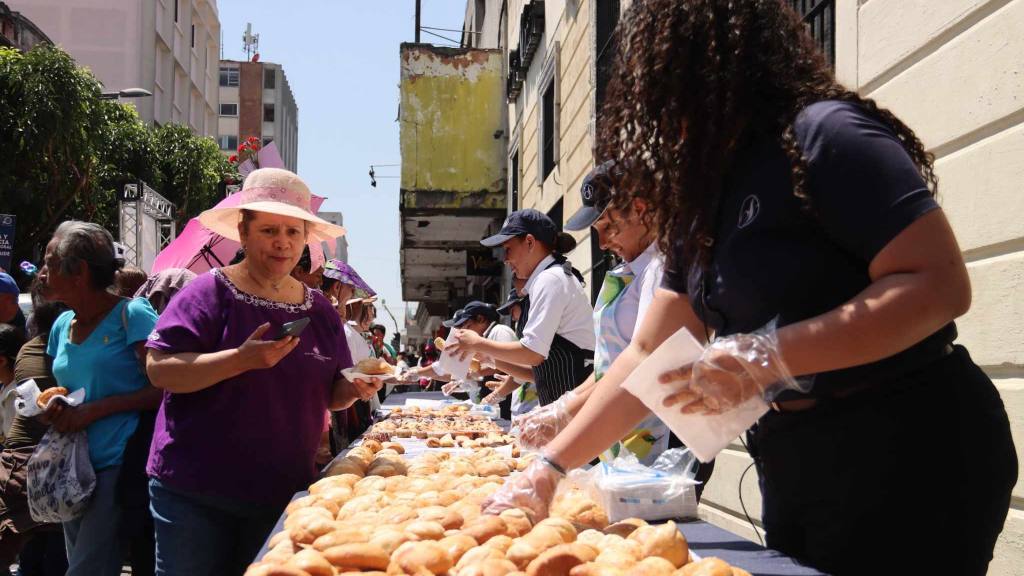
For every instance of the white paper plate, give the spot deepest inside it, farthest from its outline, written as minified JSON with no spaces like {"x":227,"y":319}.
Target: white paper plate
{"x":351,"y":374}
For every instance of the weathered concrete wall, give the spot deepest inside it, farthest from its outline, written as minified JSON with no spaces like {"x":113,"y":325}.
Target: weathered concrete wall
{"x":451,"y":109}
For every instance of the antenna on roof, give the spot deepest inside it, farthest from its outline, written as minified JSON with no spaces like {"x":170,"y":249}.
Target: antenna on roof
{"x":251,"y":42}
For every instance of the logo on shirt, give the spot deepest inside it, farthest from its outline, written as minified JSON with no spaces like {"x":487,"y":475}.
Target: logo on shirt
{"x":317,"y":355}
{"x":748,"y":212}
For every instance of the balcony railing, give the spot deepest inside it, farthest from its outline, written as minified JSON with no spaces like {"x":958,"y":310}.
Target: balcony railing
{"x":820,"y":17}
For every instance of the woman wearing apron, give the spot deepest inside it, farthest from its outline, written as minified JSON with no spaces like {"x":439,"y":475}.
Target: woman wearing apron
{"x":558,"y":339}
{"x":625,"y":295}
{"x":517,"y":392}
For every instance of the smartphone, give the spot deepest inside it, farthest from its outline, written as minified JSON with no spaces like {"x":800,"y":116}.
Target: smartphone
{"x":292,"y":328}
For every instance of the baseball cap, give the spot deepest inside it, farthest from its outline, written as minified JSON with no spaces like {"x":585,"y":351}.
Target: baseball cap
{"x":523,"y":222}
{"x":513,"y":299}
{"x":472,"y":309}
{"x":596,"y":192}
{"x":8,"y":285}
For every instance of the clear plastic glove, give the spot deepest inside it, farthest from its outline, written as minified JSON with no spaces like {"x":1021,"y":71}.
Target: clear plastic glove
{"x":530,"y":490}
{"x":732,"y":370}
{"x":538,"y":426}
{"x":451,"y":387}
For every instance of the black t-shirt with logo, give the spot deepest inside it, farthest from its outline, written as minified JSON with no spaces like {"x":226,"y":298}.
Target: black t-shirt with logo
{"x":772,"y":259}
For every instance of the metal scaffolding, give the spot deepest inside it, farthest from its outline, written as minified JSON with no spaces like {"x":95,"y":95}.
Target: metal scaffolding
{"x":144,"y":212}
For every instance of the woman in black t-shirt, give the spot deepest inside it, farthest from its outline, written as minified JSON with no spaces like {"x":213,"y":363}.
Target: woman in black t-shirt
{"x":801,"y":232}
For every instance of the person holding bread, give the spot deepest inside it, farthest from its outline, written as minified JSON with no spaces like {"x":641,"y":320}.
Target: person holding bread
{"x":803,"y":239}
{"x":558,"y":339}
{"x":98,"y":346}
{"x":243,"y":404}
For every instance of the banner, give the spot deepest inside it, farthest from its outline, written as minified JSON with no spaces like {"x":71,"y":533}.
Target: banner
{"x":6,"y":241}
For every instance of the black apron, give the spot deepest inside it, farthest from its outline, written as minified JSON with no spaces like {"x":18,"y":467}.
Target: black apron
{"x":567,"y":365}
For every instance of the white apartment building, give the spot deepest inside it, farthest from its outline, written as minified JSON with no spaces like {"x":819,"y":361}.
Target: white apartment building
{"x":169,"y":47}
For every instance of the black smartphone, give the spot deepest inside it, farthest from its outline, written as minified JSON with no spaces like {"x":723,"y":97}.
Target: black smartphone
{"x":292,"y":328}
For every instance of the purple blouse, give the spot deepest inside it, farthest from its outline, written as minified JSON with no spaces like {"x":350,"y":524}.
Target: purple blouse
{"x":253,"y":437}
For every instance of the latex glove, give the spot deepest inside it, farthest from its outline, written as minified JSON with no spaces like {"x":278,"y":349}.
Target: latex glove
{"x":451,"y":387}
{"x":538,"y":426}
{"x":732,"y":370}
{"x":530,"y":490}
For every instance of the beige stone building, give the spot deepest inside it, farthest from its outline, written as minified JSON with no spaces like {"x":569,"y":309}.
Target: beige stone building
{"x":952,"y":69}
{"x":169,"y":47}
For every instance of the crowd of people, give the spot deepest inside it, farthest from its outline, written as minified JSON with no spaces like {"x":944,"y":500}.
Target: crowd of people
{"x":790,"y":225}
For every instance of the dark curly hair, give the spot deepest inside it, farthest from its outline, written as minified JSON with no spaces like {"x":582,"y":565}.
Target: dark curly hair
{"x":694,"y":80}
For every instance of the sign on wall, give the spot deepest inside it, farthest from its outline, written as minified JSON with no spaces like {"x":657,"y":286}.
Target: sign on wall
{"x":6,"y":240}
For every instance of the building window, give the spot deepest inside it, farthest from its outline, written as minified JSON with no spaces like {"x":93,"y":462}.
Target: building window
{"x":820,"y":17}
{"x":193,"y":35}
{"x":548,"y":159}
{"x":228,"y":142}
{"x":229,"y":109}
{"x":268,"y":112}
{"x":228,"y":76}
{"x":513,"y":186}
{"x":607,"y":20}
{"x":269,"y":78}
{"x":176,"y":10}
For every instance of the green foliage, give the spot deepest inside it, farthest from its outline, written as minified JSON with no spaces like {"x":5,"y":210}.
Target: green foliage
{"x":67,"y":153}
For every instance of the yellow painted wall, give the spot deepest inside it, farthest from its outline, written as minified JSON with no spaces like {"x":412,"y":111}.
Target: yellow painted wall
{"x":451,"y":107}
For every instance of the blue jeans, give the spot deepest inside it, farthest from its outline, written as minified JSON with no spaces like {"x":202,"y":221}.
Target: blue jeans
{"x":199,"y":535}
{"x":92,"y":539}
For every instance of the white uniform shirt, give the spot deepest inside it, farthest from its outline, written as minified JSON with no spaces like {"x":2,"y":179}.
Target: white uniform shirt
{"x":558,"y":305}
{"x":647,"y":269}
{"x":360,"y":349}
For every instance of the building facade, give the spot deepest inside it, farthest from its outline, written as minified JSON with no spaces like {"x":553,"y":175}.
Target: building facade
{"x":17,"y":31}
{"x":256,"y":100}
{"x":951,"y":70}
{"x":168,"y":47}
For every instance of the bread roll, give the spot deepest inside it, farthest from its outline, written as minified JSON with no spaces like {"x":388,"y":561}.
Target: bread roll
{"x":565,"y":528}
{"x":653,"y":566}
{"x":625,"y":527}
{"x":373,"y":367}
{"x":706,"y":567}
{"x":45,"y":396}
{"x":389,"y":540}
{"x":358,"y":556}
{"x":339,"y":537}
{"x":393,"y":446}
{"x":414,"y":557}
{"x":439,"y":343}
{"x":665,"y":541}
{"x":457,"y":545}
{"x":559,"y":560}
{"x":596,"y":569}
{"x":372,"y":445}
{"x":490,"y":567}
{"x":484,"y":528}
{"x":425,"y":530}
{"x":267,"y":569}
{"x":517,"y":523}
{"x":500,"y":543}
{"x":477,"y":555}
{"x":312,"y":562}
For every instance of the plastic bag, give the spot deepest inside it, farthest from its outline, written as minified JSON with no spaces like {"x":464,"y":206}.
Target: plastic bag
{"x":60,"y":477}
{"x":628,"y":489}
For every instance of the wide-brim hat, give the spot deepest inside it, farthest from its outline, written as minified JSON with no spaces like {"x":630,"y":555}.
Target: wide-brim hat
{"x":274,"y":191}
{"x":346,"y":274}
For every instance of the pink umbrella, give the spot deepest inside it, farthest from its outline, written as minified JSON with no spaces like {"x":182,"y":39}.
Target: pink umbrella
{"x":198,"y":249}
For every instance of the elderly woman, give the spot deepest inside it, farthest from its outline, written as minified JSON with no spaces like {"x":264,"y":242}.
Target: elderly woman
{"x":243,"y":406}
{"x":96,"y":346}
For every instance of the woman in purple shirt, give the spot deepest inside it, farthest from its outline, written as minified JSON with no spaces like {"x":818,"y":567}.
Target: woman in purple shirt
{"x":241,"y":418}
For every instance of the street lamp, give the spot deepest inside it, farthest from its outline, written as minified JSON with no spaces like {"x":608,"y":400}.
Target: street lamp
{"x":126,"y":93}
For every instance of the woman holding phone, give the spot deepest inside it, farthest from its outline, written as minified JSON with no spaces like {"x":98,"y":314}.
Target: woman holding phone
{"x":242,"y":415}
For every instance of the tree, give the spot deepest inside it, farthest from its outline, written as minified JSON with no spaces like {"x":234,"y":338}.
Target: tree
{"x":192,"y":170}
{"x":49,"y":127}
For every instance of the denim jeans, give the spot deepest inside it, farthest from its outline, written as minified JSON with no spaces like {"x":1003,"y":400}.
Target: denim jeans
{"x":92,"y":539}
{"x":198,"y":535}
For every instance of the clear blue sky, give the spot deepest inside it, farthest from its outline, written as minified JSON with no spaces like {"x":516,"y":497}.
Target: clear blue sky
{"x":341,"y":59}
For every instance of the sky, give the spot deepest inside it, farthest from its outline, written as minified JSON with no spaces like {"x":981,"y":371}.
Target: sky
{"x":341,"y":60}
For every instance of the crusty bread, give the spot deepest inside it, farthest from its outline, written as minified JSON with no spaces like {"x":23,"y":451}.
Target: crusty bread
{"x":45,"y":395}
{"x":373,"y":367}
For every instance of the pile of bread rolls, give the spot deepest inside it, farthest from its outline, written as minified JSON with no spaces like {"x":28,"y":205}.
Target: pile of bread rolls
{"x":427,"y":520}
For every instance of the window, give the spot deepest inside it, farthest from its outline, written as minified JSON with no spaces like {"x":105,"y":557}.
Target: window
{"x":820,"y":17}
{"x":607,"y":20}
{"x":228,"y":76}
{"x":269,"y":78}
{"x":514,"y":180}
{"x":193,"y":35}
{"x":268,"y":112}
{"x":228,"y":142}
{"x":557,"y":214}
{"x":229,"y":109}
{"x":548,"y":157}
{"x":176,"y":10}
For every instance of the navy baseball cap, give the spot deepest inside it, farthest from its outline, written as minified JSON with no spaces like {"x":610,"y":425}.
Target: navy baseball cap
{"x":523,"y":222}
{"x":8,"y":285}
{"x":471,"y":310}
{"x":596,"y":192}
{"x":513,"y":299}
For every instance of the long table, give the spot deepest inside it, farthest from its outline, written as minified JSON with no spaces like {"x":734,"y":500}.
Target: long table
{"x":704,"y":539}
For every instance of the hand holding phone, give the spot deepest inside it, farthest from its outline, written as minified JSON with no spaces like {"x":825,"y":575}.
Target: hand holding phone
{"x":292,"y":328}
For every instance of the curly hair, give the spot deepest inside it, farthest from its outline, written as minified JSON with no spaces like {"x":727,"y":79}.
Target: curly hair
{"x":693,"y":82}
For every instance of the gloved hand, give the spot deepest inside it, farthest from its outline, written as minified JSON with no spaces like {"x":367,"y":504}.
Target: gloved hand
{"x":530,"y":490}
{"x":732,"y":370}
{"x":451,"y":387}
{"x":538,"y":426}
